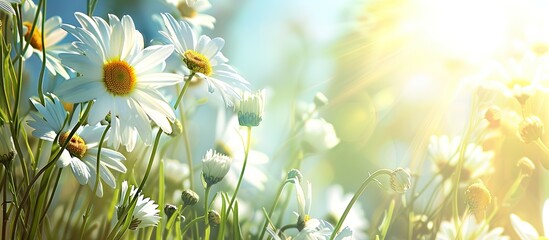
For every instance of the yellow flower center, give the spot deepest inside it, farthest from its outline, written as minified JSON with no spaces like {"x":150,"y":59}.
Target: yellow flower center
{"x":185,"y":10}
{"x":36,"y":38}
{"x":478,"y":196}
{"x":221,"y":147}
{"x":119,"y":77}
{"x":197,"y":62}
{"x":76,"y":146}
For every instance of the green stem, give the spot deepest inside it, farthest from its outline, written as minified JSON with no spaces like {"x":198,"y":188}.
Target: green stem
{"x":191,"y":223}
{"x":69,"y":219}
{"x":161,"y":189}
{"x":129,"y":212}
{"x":184,"y":130}
{"x":356,"y":196}
{"x":43,"y":67}
{"x":50,"y":164}
{"x":96,"y":184}
{"x":273,"y":207}
{"x":206,"y":220}
{"x":51,"y":195}
{"x":246,"y":152}
{"x":462,"y":149}
{"x":5,"y":203}
{"x":91,"y":6}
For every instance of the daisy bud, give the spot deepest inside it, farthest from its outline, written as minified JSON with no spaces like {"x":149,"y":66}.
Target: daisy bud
{"x":250,"y":109}
{"x":320,"y":100}
{"x":169,"y":210}
{"x":177,"y":128}
{"x":530,"y":129}
{"x":108,"y":118}
{"x":400,"y":180}
{"x":478,"y":198}
{"x":7,"y":148}
{"x":214,"y":167}
{"x":294,"y":174}
{"x":214,"y":218}
{"x":493,"y":116}
{"x":189,"y":197}
{"x":526,"y":166}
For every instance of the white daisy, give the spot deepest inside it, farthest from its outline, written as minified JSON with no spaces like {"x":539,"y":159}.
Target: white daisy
{"x":191,"y":11}
{"x":229,"y":142}
{"x":81,"y":151}
{"x":444,"y":152}
{"x":311,"y":228}
{"x":470,"y":229}
{"x":53,"y":34}
{"x":519,"y":79}
{"x":145,"y":213}
{"x":121,"y":75}
{"x":5,"y":5}
{"x":526,"y":231}
{"x":203,"y":57}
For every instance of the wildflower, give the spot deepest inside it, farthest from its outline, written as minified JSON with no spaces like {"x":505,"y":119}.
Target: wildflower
{"x":82,"y":148}
{"x":400,"y":180}
{"x":478,"y":198}
{"x":526,"y":231}
{"x":5,"y":5}
{"x":215,"y":166}
{"x":174,"y":170}
{"x":7,"y":148}
{"x":203,"y":57}
{"x":250,"y":109}
{"x":189,"y":197}
{"x":191,"y":11}
{"x":319,"y":134}
{"x":469,"y":229}
{"x":526,"y":166}
{"x":53,"y":35}
{"x":214,"y":218}
{"x":121,"y":75}
{"x":444,"y":152}
{"x":520,"y":79}
{"x":530,"y":129}
{"x":145,"y":213}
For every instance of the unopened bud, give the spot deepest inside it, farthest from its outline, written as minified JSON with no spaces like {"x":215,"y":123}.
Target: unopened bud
{"x":400,"y":180}
{"x":477,"y":199}
{"x":189,"y":197}
{"x":177,"y":128}
{"x":530,"y":129}
{"x":214,"y":218}
{"x":526,"y":166}
{"x":294,"y":174}
{"x":169,"y":210}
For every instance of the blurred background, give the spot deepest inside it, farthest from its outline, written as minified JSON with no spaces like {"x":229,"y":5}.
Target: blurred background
{"x":395,"y":72}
